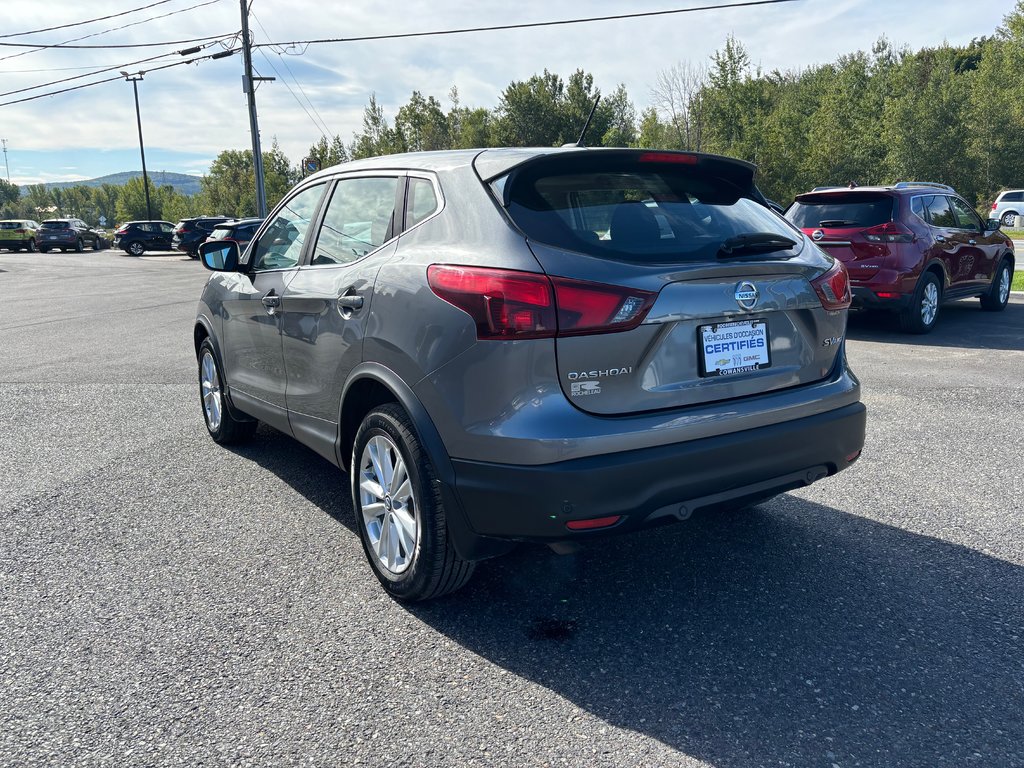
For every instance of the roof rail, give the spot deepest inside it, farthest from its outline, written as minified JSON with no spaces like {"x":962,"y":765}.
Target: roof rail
{"x":826,"y":189}
{"x":937,"y":185}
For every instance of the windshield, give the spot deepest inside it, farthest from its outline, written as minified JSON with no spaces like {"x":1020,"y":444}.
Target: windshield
{"x":651,"y":212}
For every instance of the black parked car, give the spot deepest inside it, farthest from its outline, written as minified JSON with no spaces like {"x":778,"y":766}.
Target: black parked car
{"x":189,"y":234}
{"x":137,"y":237}
{"x":68,"y":234}
{"x":238,"y":231}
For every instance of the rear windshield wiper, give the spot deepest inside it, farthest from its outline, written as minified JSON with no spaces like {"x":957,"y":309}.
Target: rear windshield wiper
{"x":837,"y":223}
{"x":754,"y":242}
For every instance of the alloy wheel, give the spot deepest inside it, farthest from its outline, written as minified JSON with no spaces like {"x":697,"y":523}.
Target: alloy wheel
{"x":389,"y":507}
{"x":929,"y":303}
{"x":209,"y":383}
{"x":1004,"y":284}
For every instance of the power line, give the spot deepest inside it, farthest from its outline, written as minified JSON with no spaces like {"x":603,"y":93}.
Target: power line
{"x":87,"y":21}
{"x":112,"y":47}
{"x":94,"y":72}
{"x":322,"y":126}
{"x":218,"y":55}
{"x":39,"y":47}
{"x":525,"y":25}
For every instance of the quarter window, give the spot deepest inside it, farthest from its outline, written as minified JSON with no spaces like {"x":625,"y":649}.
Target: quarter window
{"x":422,"y":201}
{"x":357,"y":220}
{"x":281,"y":245}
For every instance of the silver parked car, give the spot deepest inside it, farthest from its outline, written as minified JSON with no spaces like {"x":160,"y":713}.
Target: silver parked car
{"x":532,"y":344}
{"x":1008,"y":205}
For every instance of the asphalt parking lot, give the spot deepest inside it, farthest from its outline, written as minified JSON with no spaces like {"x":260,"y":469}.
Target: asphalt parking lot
{"x":165,"y":601}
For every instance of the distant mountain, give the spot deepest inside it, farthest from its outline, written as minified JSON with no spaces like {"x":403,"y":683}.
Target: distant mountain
{"x":182,"y":182}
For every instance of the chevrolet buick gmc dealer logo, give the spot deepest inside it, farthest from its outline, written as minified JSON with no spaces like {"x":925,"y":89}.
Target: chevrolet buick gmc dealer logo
{"x":747,"y":295}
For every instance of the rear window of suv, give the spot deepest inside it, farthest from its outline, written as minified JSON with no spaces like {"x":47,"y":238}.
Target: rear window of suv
{"x":56,"y":224}
{"x":841,"y":211}
{"x":638,"y":212}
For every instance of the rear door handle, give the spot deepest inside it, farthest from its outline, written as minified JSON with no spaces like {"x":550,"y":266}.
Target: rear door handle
{"x":940,"y":239}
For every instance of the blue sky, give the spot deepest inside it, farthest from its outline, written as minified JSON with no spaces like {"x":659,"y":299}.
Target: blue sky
{"x":193,"y":111}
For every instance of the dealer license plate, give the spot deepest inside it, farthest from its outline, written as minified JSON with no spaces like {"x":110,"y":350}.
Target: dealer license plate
{"x":731,"y":348}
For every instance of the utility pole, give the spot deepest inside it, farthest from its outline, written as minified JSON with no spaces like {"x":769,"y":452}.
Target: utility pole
{"x":134,"y":80}
{"x":250,"y":92}
{"x":5,"y":161}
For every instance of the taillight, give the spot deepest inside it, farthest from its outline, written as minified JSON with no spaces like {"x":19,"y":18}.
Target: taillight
{"x":833,"y":287}
{"x":506,"y":304}
{"x":890,"y":232}
{"x":121,"y":231}
{"x":993,"y":206}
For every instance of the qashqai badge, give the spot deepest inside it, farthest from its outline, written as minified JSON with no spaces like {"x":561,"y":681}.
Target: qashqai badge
{"x":817,"y":235}
{"x":747,"y":295}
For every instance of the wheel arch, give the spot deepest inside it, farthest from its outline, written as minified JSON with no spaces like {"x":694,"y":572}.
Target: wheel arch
{"x":371,"y":385}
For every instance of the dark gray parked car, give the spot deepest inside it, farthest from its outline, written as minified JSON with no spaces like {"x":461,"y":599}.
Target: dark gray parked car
{"x":531,"y":344}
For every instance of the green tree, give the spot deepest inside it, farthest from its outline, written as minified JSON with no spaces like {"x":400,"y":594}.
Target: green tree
{"x":422,"y":124}
{"x":10,"y":194}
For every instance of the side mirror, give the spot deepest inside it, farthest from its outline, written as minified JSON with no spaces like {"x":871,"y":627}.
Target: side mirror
{"x":220,"y":255}
{"x":991,"y":225}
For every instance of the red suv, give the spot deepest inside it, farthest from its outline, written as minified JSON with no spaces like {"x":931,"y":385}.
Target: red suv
{"x":909,"y":247}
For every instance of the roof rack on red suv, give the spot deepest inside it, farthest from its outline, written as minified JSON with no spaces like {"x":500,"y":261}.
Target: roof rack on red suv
{"x":909,"y":246}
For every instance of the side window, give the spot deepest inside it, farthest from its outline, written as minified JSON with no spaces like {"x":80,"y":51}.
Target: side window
{"x":939,"y":212}
{"x":147,"y":227}
{"x":167,"y":228}
{"x":281,"y":244}
{"x":1013,"y":197}
{"x":917,"y":207}
{"x":966,"y":218}
{"x":357,"y":221}
{"x":422,"y":201}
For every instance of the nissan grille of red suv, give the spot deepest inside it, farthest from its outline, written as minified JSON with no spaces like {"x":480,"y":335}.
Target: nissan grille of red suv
{"x":909,"y":247}
{"x":531,"y":344}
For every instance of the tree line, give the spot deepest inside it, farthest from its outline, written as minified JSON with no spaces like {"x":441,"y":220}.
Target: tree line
{"x":952,"y":114}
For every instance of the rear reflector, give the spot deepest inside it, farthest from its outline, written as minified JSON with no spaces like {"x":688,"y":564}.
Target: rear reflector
{"x":507,"y":304}
{"x":833,"y":288}
{"x":592,"y":523}
{"x":886,"y":295}
{"x":669,"y":157}
{"x":853,"y":456}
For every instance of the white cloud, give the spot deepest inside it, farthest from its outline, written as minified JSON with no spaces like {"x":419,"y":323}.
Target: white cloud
{"x":201,"y":109}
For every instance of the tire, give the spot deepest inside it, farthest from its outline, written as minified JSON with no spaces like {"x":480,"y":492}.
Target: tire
{"x":135,"y":248}
{"x":923,"y":312}
{"x":221,"y":422}
{"x":79,"y":246}
{"x":1008,"y":218}
{"x":405,"y":531}
{"x":31,"y":246}
{"x":999,"y":294}
{"x":97,"y":244}
{"x":44,"y":250}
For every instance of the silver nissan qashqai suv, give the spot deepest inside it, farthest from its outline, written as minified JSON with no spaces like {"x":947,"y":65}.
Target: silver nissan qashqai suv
{"x":510,"y":345}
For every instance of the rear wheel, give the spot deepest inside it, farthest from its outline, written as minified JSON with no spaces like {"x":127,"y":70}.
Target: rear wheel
{"x":44,"y":250}
{"x":999,"y":294}
{"x":1008,"y":218}
{"x":399,"y":512}
{"x":136,"y":248}
{"x":32,"y":246}
{"x":221,"y":423}
{"x":97,"y":244}
{"x":921,"y":315}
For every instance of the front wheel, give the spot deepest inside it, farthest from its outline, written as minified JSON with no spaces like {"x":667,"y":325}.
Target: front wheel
{"x":136,"y":248}
{"x":999,"y":294}
{"x":97,"y":244}
{"x":921,"y":315}
{"x":399,"y":511}
{"x":79,"y":246}
{"x":221,"y":423}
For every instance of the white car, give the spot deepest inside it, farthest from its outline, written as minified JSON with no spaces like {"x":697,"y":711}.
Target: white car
{"x":1009,"y":203}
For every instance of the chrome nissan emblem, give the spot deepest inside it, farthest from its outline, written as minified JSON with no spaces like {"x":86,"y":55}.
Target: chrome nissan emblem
{"x":747,"y":295}
{"x":817,"y":235}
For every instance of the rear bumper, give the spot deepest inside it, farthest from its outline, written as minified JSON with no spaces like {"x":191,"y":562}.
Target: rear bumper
{"x":15,"y":243}
{"x":516,"y":502}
